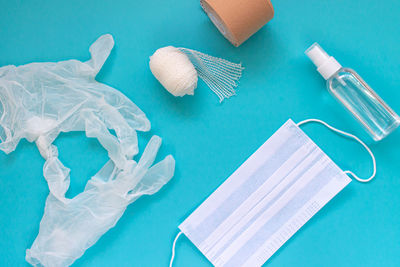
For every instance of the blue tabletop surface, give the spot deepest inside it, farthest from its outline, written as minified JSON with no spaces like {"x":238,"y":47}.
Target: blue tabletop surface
{"x":359,"y":227}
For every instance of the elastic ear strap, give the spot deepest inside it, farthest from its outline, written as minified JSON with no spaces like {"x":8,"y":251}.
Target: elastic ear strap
{"x":173,"y":249}
{"x":351,"y":136}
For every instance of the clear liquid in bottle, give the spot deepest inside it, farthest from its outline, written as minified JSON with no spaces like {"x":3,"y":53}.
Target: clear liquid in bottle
{"x":372,"y":112}
{"x":355,"y":94}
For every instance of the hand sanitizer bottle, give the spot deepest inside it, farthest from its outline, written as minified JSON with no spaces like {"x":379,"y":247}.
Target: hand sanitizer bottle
{"x":355,"y":94}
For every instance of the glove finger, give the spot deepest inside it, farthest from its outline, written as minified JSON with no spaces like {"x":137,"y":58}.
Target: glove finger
{"x":57,"y":177}
{"x":100,"y":50}
{"x":150,"y":152}
{"x":133,"y":115}
{"x":126,"y":134}
{"x":155,"y":178}
{"x":96,"y":128}
{"x":129,"y":178}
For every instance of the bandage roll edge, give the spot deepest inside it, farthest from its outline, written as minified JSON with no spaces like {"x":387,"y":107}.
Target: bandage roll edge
{"x":238,"y":20}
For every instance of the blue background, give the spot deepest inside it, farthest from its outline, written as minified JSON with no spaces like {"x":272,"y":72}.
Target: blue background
{"x":360,"y":227}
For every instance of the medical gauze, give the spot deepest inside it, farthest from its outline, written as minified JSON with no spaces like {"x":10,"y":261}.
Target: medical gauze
{"x":178,"y":69}
{"x":265,"y":201}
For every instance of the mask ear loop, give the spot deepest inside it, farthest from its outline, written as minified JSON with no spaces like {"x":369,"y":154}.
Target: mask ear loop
{"x":173,"y":249}
{"x":351,"y":136}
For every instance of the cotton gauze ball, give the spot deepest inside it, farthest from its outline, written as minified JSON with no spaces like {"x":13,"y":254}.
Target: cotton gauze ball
{"x":173,"y":69}
{"x":177,"y":70}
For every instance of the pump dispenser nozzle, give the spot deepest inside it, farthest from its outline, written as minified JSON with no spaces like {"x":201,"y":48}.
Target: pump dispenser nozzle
{"x":326,"y":65}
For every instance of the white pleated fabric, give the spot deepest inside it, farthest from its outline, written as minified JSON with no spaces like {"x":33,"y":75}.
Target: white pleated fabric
{"x":265,"y":201}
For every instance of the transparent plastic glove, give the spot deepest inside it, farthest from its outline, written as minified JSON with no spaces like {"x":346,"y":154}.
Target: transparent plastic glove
{"x":40,"y":100}
{"x":44,"y":99}
{"x":70,"y":226}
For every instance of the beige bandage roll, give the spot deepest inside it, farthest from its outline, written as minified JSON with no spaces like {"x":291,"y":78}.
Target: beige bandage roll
{"x":237,"y":20}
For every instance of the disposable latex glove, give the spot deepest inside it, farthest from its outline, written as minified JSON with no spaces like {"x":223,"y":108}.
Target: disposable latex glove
{"x":40,"y":100}
{"x":70,"y":226}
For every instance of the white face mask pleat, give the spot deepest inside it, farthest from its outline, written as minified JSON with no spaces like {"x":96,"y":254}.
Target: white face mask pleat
{"x":267,"y":199}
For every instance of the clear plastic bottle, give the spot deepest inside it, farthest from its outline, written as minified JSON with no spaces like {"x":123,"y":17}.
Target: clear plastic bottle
{"x":355,"y":94}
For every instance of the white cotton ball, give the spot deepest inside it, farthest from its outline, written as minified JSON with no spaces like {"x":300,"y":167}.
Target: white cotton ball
{"x":173,"y":69}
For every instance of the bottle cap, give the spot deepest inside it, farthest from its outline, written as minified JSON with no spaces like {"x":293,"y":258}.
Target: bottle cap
{"x":326,"y":65}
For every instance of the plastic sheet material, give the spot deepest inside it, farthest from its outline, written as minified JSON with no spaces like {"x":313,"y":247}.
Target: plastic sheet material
{"x":38,"y":101}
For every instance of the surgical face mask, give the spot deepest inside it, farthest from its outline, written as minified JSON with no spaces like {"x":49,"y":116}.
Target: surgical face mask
{"x":267,"y":199}
{"x":38,"y":101}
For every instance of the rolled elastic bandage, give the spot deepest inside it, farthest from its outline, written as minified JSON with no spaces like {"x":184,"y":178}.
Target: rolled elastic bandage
{"x":177,"y":69}
{"x":237,"y":20}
